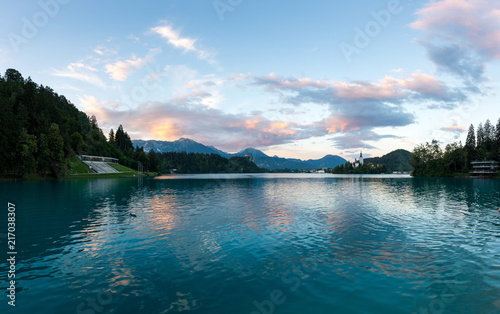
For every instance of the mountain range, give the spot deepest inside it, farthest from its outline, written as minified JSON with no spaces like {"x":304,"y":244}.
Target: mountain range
{"x":261,"y":159}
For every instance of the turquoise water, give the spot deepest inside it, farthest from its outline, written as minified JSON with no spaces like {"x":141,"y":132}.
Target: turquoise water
{"x":284,"y":243}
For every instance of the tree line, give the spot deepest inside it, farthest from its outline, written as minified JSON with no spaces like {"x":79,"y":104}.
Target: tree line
{"x":430,"y":159}
{"x":348,"y":168}
{"x":182,"y":162}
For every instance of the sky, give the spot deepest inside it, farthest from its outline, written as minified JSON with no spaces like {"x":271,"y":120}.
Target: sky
{"x":297,"y":79}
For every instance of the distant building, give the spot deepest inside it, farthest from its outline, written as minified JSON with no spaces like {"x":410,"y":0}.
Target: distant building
{"x":359,"y":162}
{"x":484,"y":168}
{"x":250,"y":157}
{"x":97,"y":158}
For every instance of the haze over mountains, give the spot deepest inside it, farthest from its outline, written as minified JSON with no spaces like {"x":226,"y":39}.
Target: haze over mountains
{"x":261,"y":159}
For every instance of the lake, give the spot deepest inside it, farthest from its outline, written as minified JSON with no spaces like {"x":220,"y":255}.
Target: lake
{"x":256,"y":243}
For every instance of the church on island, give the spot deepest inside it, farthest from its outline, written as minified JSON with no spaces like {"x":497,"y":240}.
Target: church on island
{"x":359,"y":162}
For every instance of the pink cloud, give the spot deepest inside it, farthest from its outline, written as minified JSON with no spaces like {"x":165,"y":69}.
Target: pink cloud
{"x":386,"y":89}
{"x":424,"y":84}
{"x":461,"y":36}
{"x":416,"y":85}
{"x":120,"y":70}
{"x":454,"y":128}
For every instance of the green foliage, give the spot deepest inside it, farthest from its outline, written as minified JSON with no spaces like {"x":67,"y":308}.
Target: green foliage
{"x":26,"y":153}
{"x":77,"y":143}
{"x":427,"y":160}
{"x":44,"y":155}
{"x":470,"y":145}
{"x":398,"y":160}
{"x":121,"y":168}
{"x":205,"y":163}
{"x":77,"y":166}
{"x":56,"y":145}
{"x":366,"y":168}
{"x":154,"y":162}
{"x":243,"y":164}
{"x":123,"y":141}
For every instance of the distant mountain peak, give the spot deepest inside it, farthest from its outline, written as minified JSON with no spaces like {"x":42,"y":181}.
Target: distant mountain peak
{"x":261,"y":159}
{"x":252,"y":151}
{"x":183,"y":139}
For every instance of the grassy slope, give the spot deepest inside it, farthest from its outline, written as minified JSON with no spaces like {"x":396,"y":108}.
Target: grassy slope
{"x":77,"y":166}
{"x":121,"y":168}
{"x":80,"y":170}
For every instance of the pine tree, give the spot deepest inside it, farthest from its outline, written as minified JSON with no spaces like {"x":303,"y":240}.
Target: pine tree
{"x":470,"y":144}
{"x":111,"y":138}
{"x":93,"y":122}
{"x":489,"y":134}
{"x":480,"y":136}
{"x":123,"y":141}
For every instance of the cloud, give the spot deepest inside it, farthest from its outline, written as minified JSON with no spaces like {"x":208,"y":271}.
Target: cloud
{"x":389,"y":89}
{"x":186,"y":116}
{"x":187,"y":44}
{"x":455,"y":129}
{"x":84,"y":77}
{"x":461,"y":36}
{"x":78,"y":65}
{"x":120,"y":70}
{"x":104,"y":51}
{"x":359,"y":139}
{"x":357,"y":108}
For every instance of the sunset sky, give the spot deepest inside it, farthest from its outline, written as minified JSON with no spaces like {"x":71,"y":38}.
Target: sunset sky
{"x":292,"y":78}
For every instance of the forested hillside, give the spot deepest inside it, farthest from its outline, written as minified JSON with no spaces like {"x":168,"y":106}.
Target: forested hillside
{"x":398,"y":160}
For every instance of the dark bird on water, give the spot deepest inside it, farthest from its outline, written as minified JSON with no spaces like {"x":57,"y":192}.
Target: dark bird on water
{"x":133,"y":215}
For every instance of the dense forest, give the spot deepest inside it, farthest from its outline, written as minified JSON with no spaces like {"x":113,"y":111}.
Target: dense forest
{"x":184,"y":162}
{"x":40,"y":131}
{"x":398,"y":160}
{"x":431,"y":160}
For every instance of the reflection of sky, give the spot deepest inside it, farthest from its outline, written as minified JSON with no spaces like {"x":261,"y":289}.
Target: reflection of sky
{"x":193,"y":233}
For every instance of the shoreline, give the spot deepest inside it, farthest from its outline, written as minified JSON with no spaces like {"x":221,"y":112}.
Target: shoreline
{"x":75,"y":176}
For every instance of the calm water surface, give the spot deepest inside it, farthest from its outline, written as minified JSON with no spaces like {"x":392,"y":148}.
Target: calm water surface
{"x":284,"y":243}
